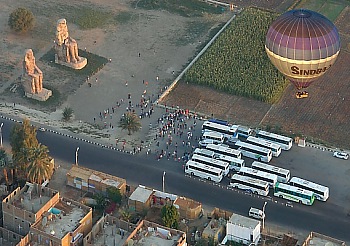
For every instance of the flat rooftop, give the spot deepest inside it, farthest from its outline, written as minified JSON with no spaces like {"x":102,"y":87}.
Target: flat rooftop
{"x":141,"y":194}
{"x":316,"y":239}
{"x":111,"y":235}
{"x":150,"y":234}
{"x":61,"y":219}
{"x":243,"y":221}
{"x":31,"y":198}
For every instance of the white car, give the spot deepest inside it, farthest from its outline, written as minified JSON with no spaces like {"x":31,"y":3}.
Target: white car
{"x":42,"y":129}
{"x":341,"y":155}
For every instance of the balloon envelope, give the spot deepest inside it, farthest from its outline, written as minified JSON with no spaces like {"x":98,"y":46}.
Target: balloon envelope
{"x":303,"y":45}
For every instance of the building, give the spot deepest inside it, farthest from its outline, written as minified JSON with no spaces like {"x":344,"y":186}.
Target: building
{"x":64,"y":224}
{"x":93,"y":181}
{"x":109,"y":230}
{"x":9,"y":238}
{"x":159,"y":199}
{"x":243,"y":229}
{"x":140,"y":199}
{"x":149,"y":233}
{"x":36,"y":215}
{"x":188,"y":208}
{"x":23,"y":207}
{"x":316,"y":239}
{"x":215,"y":230}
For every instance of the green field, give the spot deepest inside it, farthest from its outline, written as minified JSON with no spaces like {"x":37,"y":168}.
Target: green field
{"x":329,"y":8}
{"x":237,"y":63}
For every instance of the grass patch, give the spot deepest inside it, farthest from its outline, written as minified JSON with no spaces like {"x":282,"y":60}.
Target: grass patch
{"x":332,"y":9}
{"x":186,"y":8}
{"x":194,"y":29}
{"x":314,"y":5}
{"x":95,"y":63}
{"x":237,"y":63}
{"x":123,"y":17}
{"x":329,"y":8}
{"x":89,"y":17}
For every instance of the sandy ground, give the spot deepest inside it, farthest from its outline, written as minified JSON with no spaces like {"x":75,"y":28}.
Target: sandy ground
{"x":153,"y":44}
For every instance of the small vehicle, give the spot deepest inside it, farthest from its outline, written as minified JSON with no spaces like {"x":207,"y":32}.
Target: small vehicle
{"x":203,"y":143}
{"x":42,"y":129}
{"x":256,"y":213}
{"x":341,"y":155}
{"x":302,"y":94}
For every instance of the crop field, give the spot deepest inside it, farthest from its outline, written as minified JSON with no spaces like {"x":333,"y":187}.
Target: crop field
{"x":237,"y":63}
{"x":329,"y":8}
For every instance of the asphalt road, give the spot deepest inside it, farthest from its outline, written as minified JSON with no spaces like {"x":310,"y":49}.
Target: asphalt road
{"x":326,"y":218}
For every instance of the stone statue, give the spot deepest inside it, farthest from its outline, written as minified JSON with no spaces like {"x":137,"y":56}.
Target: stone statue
{"x":66,"y":46}
{"x":31,"y":69}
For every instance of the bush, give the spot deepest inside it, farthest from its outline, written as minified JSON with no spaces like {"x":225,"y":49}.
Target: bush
{"x":21,"y":20}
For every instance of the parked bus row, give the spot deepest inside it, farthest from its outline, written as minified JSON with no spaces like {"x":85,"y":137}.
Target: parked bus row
{"x":305,"y":194}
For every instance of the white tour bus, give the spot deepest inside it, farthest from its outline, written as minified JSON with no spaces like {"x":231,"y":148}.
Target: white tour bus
{"x":321,"y":192}
{"x":285,"y":142}
{"x":283,"y":175}
{"x":243,"y":131}
{"x":204,"y":152}
{"x":215,"y":136}
{"x":252,"y":185}
{"x":254,"y":152}
{"x":235,"y":163}
{"x":224,"y":150}
{"x":224,"y":166}
{"x":264,"y":176}
{"x":226,"y":130}
{"x":203,"y":171}
{"x":275,"y":148}
{"x":293,"y":193}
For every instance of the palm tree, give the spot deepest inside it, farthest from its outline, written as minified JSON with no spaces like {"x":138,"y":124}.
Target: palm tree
{"x":38,"y":166}
{"x":67,"y":113}
{"x":131,"y":122}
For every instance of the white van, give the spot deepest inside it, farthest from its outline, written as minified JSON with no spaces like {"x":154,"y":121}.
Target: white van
{"x":256,"y":213}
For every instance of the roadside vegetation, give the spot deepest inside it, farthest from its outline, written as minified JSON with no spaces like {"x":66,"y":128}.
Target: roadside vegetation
{"x":185,"y":8}
{"x":31,"y":160}
{"x":236,"y":62}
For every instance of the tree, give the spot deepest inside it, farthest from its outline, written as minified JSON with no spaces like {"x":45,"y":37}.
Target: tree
{"x":114,"y":195}
{"x":39,"y":166}
{"x":22,"y":137}
{"x":170,"y":216}
{"x":67,"y":113}
{"x":21,"y":20}
{"x":5,"y":163}
{"x":131,"y":122}
{"x":101,"y":201}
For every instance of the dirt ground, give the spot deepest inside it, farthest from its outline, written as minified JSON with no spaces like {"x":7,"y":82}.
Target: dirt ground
{"x":166,"y":42}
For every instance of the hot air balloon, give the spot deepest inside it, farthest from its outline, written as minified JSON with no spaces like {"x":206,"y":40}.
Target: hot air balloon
{"x":302,"y":45}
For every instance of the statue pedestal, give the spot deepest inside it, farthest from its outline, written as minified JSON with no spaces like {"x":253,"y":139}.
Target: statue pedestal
{"x":79,"y":65}
{"x":42,"y":96}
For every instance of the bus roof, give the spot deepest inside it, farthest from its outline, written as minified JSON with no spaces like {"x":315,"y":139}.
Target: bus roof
{"x":294,"y":189}
{"x":270,"y":167}
{"x":258,"y":172}
{"x":249,"y":179}
{"x":221,"y":148}
{"x":213,"y":133}
{"x":274,"y":135}
{"x":263,"y":141}
{"x":248,"y":145}
{"x":211,"y":160}
{"x":193,"y":163}
{"x":308,"y":183}
{"x":218,"y":121}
